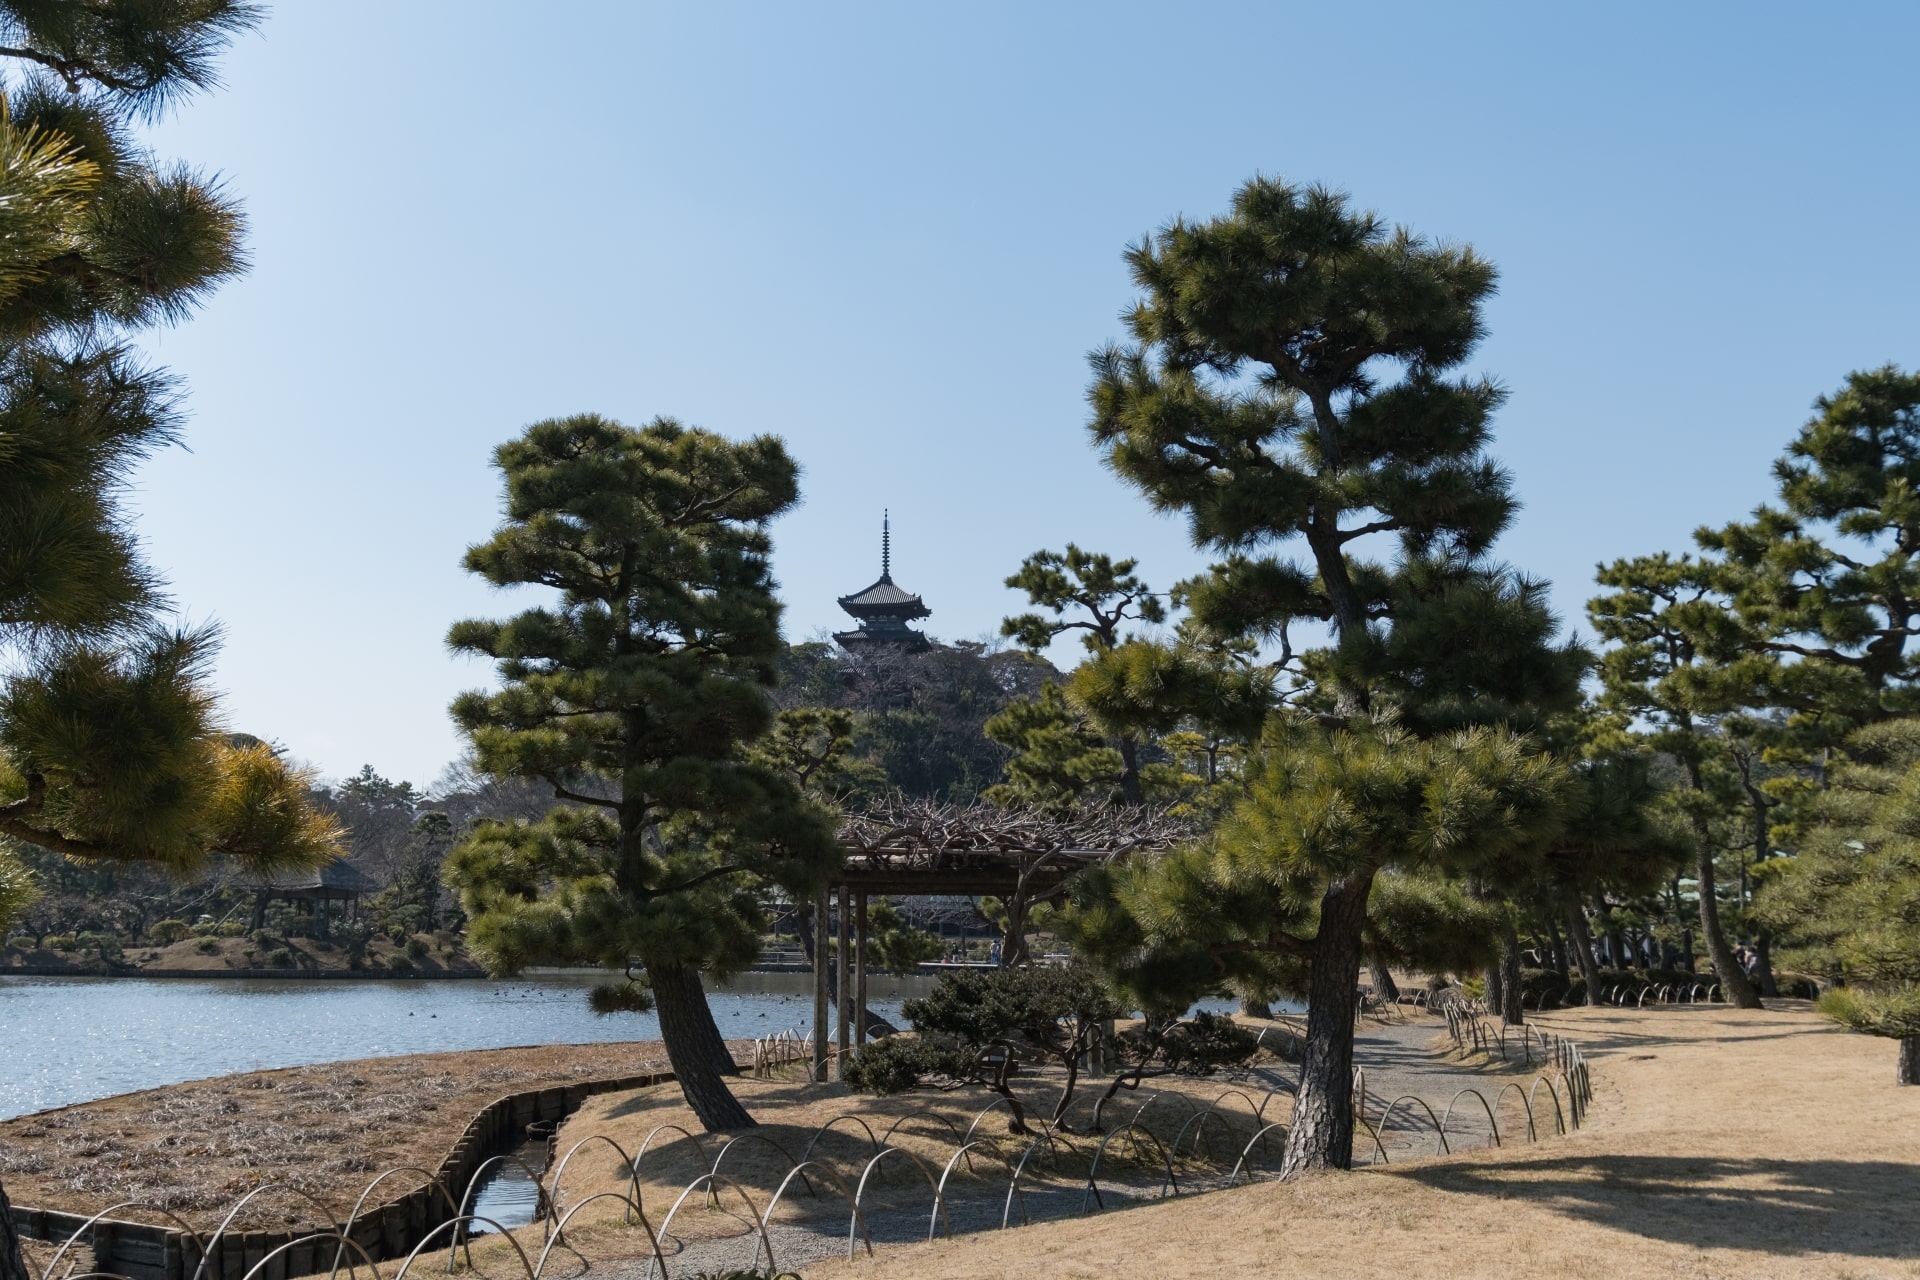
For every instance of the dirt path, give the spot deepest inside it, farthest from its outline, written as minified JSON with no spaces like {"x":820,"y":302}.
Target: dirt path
{"x":1720,"y":1143}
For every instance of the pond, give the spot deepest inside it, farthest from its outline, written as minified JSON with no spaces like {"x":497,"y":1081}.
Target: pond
{"x":67,"y":1040}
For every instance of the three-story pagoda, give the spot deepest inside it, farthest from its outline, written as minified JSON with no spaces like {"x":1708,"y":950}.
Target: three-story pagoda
{"x":883,"y":609}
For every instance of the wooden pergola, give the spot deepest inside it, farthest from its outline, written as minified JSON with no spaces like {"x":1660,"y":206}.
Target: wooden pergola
{"x":922,"y":848}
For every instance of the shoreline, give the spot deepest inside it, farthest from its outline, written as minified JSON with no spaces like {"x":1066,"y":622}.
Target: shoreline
{"x":883,"y":986}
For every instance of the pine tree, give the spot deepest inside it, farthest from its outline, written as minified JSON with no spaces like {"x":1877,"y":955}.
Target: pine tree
{"x":1828,"y":582}
{"x":1657,"y":674}
{"x":110,"y":749}
{"x":1055,"y":759}
{"x":1107,"y":595}
{"x":1851,"y":893}
{"x":1258,"y":398}
{"x":637,"y":695}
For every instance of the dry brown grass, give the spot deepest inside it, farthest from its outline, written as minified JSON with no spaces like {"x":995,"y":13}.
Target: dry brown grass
{"x":930,"y":1125}
{"x":1721,"y":1143}
{"x":194,"y":1148}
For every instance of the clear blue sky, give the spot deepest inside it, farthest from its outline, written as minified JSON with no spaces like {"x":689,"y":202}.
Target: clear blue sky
{"x":890,"y":233}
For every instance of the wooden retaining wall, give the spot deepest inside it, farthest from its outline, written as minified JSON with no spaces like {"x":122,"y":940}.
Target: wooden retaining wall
{"x":388,"y":1230}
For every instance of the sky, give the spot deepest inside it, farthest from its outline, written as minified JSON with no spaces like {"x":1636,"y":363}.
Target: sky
{"x":891,"y":233}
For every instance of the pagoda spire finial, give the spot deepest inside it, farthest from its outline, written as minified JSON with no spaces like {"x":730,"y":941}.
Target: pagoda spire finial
{"x":886,"y":546}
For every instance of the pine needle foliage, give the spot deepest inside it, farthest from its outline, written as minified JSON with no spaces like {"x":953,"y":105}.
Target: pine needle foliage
{"x":1851,"y":893}
{"x":110,"y":745}
{"x":1827,"y":582}
{"x":1244,"y":908}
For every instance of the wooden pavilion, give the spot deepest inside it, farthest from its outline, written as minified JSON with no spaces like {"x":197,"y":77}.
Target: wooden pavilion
{"x":337,"y":881}
{"x":922,"y":848}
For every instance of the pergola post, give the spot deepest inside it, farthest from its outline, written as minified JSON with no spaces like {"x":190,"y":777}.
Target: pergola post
{"x":860,"y":970}
{"x":820,"y":916}
{"x":846,"y":973}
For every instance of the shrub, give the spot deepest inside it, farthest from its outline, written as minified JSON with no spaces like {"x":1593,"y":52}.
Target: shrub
{"x":1543,"y":988}
{"x":205,"y":929}
{"x":1797,"y":986}
{"x":231,"y":929}
{"x":899,"y":1063}
{"x":207,"y":947}
{"x":416,"y":948}
{"x":20,"y":943}
{"x":399,"y":965}
{"x":279,"y":958}
{"x":167,"y":931}
{"x":60,"y":942}
{"x":1202,"y":1045}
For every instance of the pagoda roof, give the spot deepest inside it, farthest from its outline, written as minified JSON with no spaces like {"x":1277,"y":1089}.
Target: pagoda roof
{"x":885,"y":597}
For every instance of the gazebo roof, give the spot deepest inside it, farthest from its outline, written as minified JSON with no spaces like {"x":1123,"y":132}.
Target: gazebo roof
{"x":337,"y":876}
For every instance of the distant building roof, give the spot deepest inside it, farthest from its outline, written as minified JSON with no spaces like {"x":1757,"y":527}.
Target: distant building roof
{"x":337,"y":876}
{"x":884,"y":597}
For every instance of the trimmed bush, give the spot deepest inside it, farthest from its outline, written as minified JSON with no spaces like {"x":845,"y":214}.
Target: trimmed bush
{"x":60,"y":942}
{"x":416,"y":948}
{"x":207,"y":947}
{"x":399,"y":965}
{"x":20,"y":943}
{"x":279,"y":958}
{"x":899,"y":1063}
{"x":231,"y":929}
{"x":168,"y":931}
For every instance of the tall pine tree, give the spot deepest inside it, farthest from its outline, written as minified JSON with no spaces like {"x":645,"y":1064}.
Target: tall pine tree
{"x":638,"y":695}
{"x":1291,"y":381}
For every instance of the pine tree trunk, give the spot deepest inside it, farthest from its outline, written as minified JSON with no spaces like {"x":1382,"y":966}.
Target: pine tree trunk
{"x":1733,"y":979}
{"x":1130,"y":772}
{"x":1251,"y":1008}
{"x":1908,"y":1071}
{"x":1384,"y":987}
{"x":1581,"y":943}
{"x":1763,"y":965}
{"x":1558,"y":947}
{"x":695,"y":1048}
{"x":1495,"y":979}
{"x":1321,"y":1134}
{"x":1512,"y":1003}
{"x":13,"y":1265}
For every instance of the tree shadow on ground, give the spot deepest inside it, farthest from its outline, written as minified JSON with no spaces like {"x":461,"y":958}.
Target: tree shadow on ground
{"x":1862,"y":1207}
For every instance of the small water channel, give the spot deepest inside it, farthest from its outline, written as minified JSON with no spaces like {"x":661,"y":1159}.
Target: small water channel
{"x":510,"y":1193}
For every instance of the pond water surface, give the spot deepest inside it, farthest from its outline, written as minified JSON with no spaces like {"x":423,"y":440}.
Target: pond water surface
{"x":66,"y":1040}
